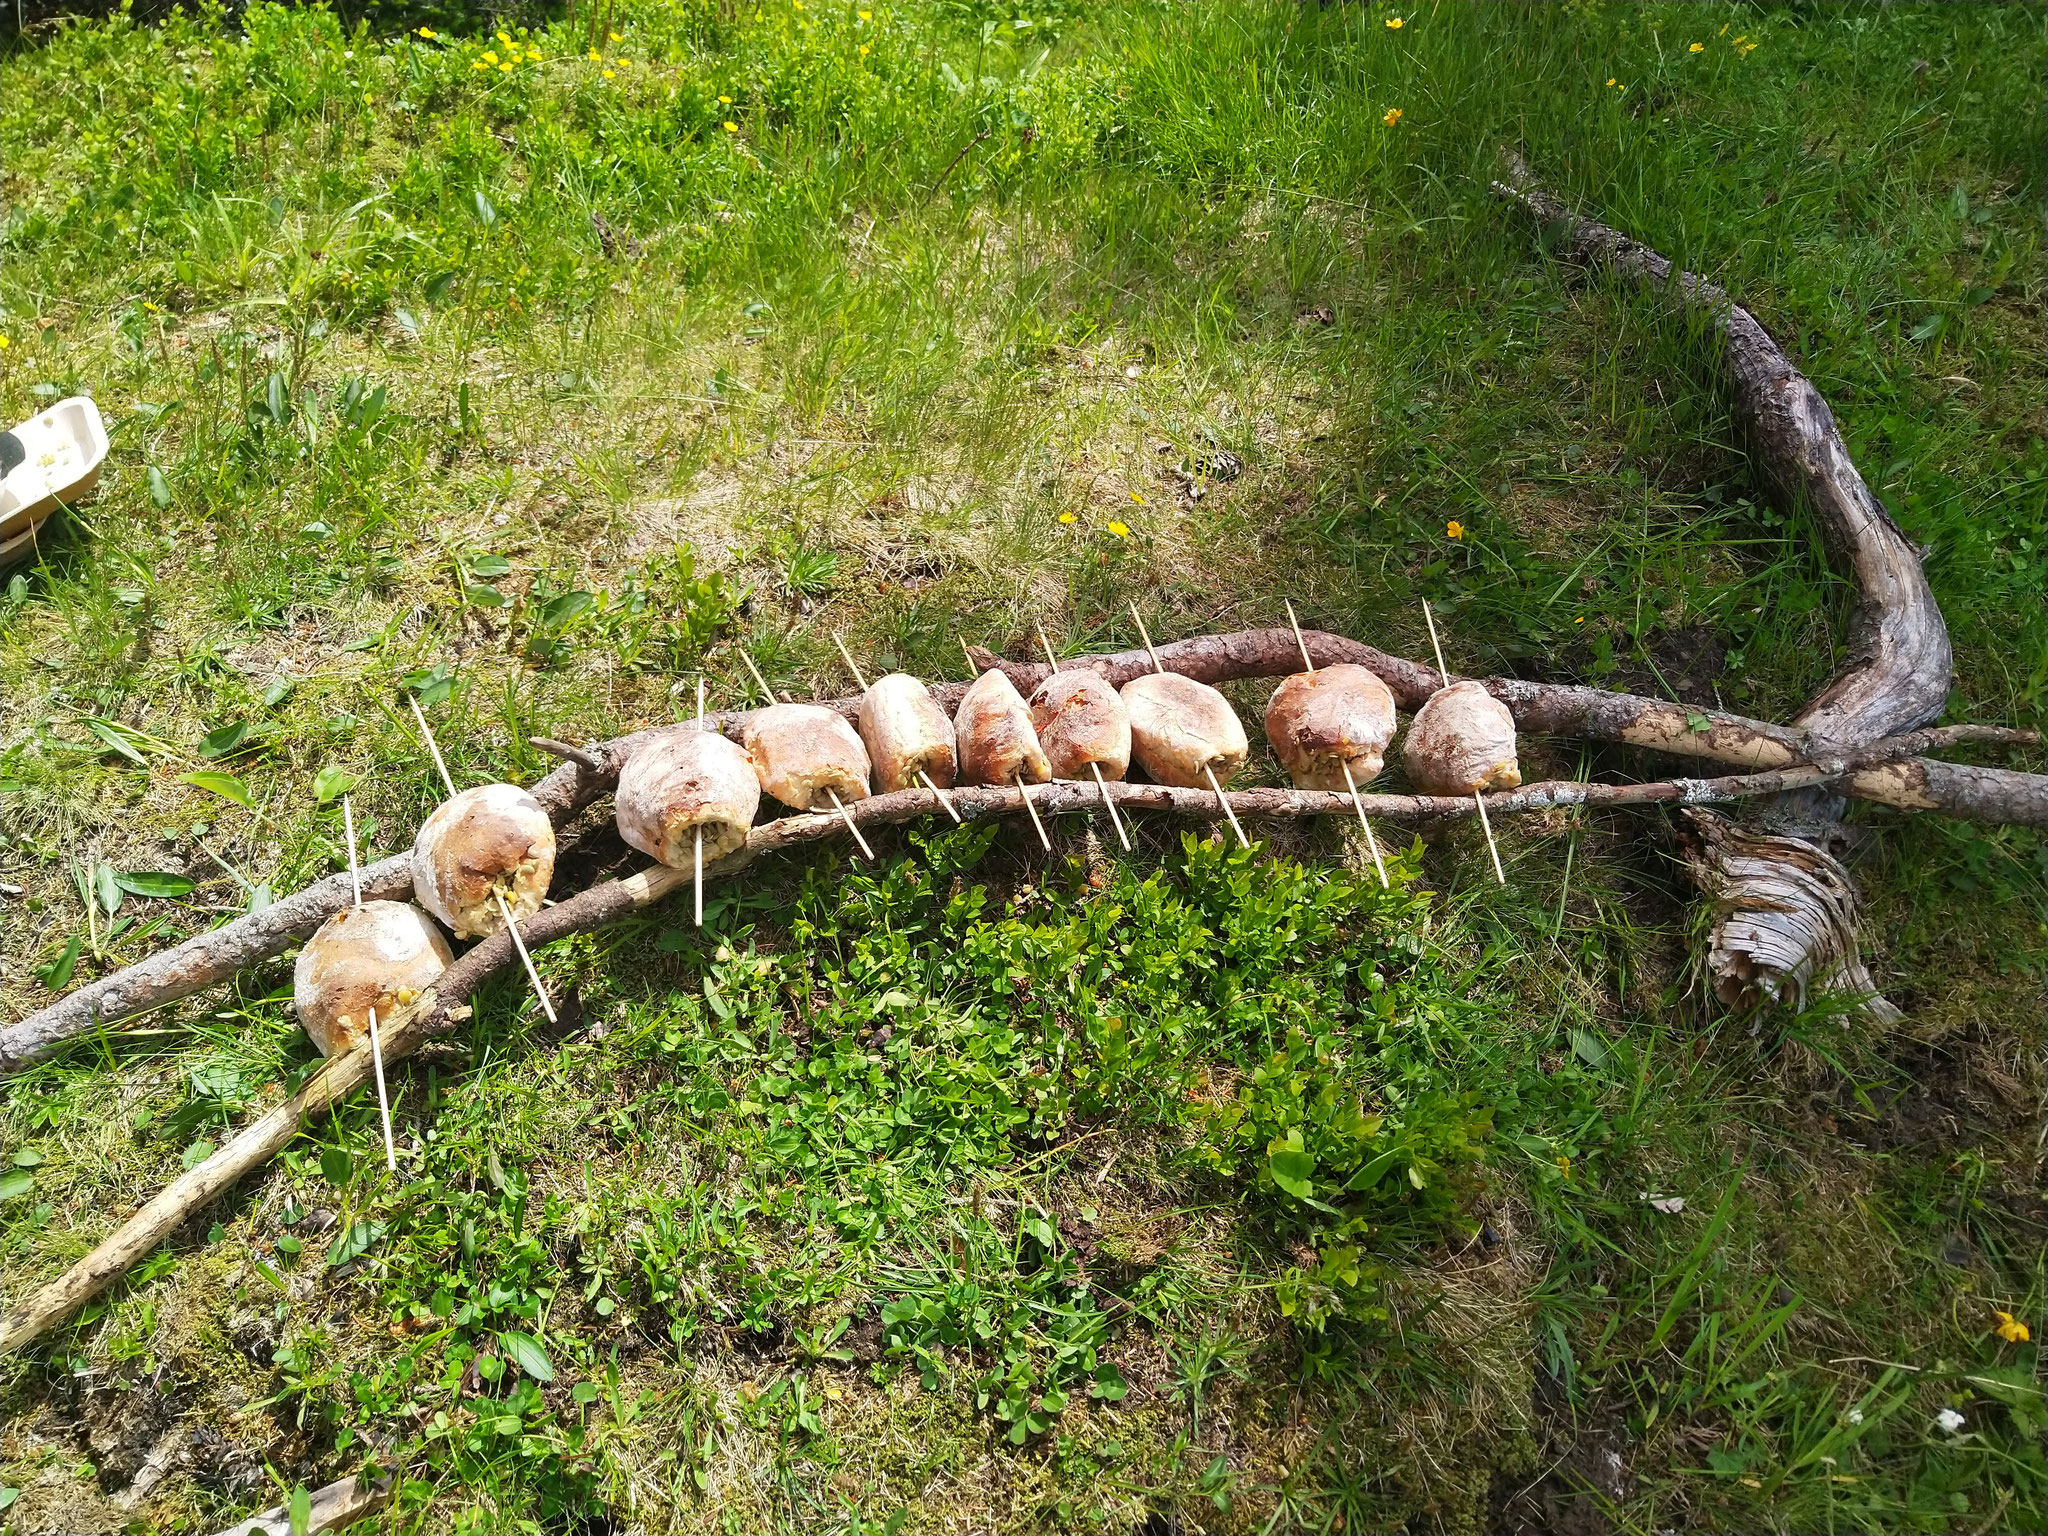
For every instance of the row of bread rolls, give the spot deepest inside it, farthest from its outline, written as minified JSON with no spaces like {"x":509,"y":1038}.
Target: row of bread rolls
{"x":1329,"y":728}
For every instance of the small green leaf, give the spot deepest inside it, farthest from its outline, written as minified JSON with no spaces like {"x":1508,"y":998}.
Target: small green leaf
{"x":156,"y":884}
{"x":116,"y":738}
{"x":1293,"y":1170}
{"x":16,"y":1181}
{"x":486,"y":214}
{"x":301,"y":1511}
{"x":489,"y":567}
{"x":28,"y":1157}
{"x":1588,"y":1047}
{"x":566,"y":609}
{"x":107,"y":886}
{"x":198,"y":1153}
{"x":358,"y":1240}
{"x":159,"y":487}
{"x":236,"y":736}
{"x":57,"y":974}
{"x":336,"y":1165}
{"x":226,"y":785}
{"x":1928,"y":329}
{"x":437,"y":286}
{"x":279,"y":690}
{"x":331,"y":783}
{"x":527,"y":1354}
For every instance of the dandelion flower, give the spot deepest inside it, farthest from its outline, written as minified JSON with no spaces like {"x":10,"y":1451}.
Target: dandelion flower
{"x":1393,"y":23}
{"x":1580,"y":619}
{"x":1121,"y":530}
{"x":428,"y":33}
{"x":732,"y":127}
{"x":865,"y":15}
{"x":1065,"y":517}
{"x":611,"y":74}
{"x":1697,"y":48}
{"x":725,"y":101}
{"x":1610,"y":81}
{"x":595,"y":57}
{"x":615,"y":37}
{"x":863,"y":50}
{"x":5,"y":343}
{"x":1948,"y":1421}
{"x":2011,"y":1329}
{"x":1454,"y":529}
{"x":1393,"y":116}
{"x":504,"y":69}
{"x":533,"y":55}
{"x":478,"y":64}
{"x":623,"y":63}
{"x":1137,"y":498}
{"x":505,"y":38}
{"x":490,"y":55}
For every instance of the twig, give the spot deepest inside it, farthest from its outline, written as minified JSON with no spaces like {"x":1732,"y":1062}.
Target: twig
{"x":591,"y":760}
{"x":950,"y":164}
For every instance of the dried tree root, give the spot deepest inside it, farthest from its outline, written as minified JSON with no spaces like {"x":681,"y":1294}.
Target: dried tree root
{"x":1917,"y":784}
{"x":333,"y":1507}
{"x":1777,"y":921}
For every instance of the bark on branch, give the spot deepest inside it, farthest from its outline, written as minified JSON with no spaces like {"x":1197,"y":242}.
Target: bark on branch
{"x":1554,"y":709}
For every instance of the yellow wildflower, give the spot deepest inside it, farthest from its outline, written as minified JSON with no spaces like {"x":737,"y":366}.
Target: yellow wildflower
{"x":1454,"y":529}
{"x":863,"y":50}
{"x":2011,"y":1329}
{"x":1137,"y":498}
{"x":610,"y":75}
{"x":865,"y":15}
{"x":533,"y":55}
{"x":1121,"y":530}
{"x":1610,"y":80}
{"x":615,"y":37}
{"x":1393,"y":23}
{"x":1580,"y":619}
{"x":732,"y":127}
{"x":595,"y":57}
{"x":725,"y":101}
{"x":505,"y":38}
{"x":623,"y":63}
{"x":5,"y":343}
{"x":1393,"y":116}
{"x":428,"y":33}
{"x":504,"y":69}
{"x":490,"y":55}
{"x":1697,"y":48}
{"x":478,"y":64}
{"x":1564,"y":1166}
{"x":1065,"y":517}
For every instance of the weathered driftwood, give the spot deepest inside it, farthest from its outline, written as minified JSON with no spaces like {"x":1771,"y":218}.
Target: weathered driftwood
{"x":1785,"y":903}
{"x":332,"y":1508}
{"x":1554,"y":709}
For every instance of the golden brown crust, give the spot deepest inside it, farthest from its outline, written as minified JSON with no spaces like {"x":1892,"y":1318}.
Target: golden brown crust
{"x":1180,"y":728}
{"x":805,"y":753}
{"x":906,"y":733}
{"x":1322,"y":722}
{"x":993,"y":728}
{"x":1461,"y":741}
{"x":1080,"y":720}
{"x":494,"y":838}
{"x":379,"y":955}
{"x":682,"y":781}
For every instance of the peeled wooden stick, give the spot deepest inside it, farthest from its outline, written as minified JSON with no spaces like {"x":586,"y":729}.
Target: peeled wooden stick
{"x":331,"y":1508}
{"x":348,"y":822}
{"x":1485,"y":826}
{"x":697,"y":852}
{"x":433,"y":746}
{"x":1147,"y":639}
{"x":851,"y":665}
{"x":1094,"y":767}
{"x":1371,"y":842}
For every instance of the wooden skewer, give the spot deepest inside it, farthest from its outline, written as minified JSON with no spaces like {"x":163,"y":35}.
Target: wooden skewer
{"x":1095,"y":768}
{"x":1356,"y":799}
{"x":1441,"y":671}
{"x":1295,"y":625}
{"x":348,"y":826}
{"x":355,"y":876}
{"x":1032,"y":810}
{"x":433,"y":746}
{"x":847,"y":816}
{"x":758,"y":678}
{"x":1242,"y":840}
{"x":532,"y":975}
{"x":383,"y":1098}
{"x":973,"y":666}
{"x":1156,"y":667}
{"x":851,"y":665}
{"x":697,"y":865}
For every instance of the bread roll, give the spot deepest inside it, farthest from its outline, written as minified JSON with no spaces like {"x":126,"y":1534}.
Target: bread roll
{"x":997,"y":743}
{"x":681,"y":781}
{"x":906,"y":734}
{"x":492,"y":838}
{"x":1080,"y":720}
{"x":379,"y":955}
{"x":1179,"y":727}
{"x":803,"y":750}
{"x":1462,"y":740}
{"x":1321,"y":722}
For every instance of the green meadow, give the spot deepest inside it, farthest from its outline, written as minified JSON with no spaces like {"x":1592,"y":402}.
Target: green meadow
{"x":533,"y":364}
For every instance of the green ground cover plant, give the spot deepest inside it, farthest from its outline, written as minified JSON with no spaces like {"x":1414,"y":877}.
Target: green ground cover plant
{"x":530,"y":363}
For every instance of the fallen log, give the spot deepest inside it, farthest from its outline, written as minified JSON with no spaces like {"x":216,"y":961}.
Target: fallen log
{"x":1787,"y":909}
{"x":1555,"y":709}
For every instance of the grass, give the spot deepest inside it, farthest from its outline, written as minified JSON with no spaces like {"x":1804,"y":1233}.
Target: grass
{"x":984,"y":1190}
